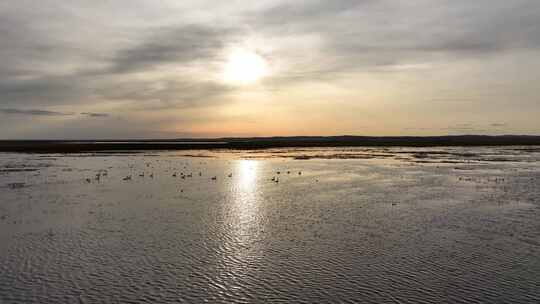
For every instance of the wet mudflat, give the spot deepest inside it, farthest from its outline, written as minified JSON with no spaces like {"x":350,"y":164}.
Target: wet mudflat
{"x":319,"y":225}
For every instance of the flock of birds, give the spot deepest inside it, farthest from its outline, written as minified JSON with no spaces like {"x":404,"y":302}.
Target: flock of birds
{"x":276,"y":179}
{"x":101,"y":173}
{"x":181,"y":175}
{"x":214,"y":178}
{"x":104,"y":173}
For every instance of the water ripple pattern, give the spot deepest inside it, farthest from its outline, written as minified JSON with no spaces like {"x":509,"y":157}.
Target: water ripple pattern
{"x":340,"y":225}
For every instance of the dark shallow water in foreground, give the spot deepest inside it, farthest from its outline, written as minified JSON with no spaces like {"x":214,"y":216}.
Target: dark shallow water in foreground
{"x":396,"y":225}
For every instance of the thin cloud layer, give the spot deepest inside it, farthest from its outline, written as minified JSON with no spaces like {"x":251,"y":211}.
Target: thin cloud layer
{"x":95,"y":114}
{"x":33,"y":112}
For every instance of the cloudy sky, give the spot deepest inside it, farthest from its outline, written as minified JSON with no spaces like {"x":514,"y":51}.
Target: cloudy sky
{"x":168,"y":68}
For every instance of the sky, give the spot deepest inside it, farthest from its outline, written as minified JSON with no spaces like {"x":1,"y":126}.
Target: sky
{"x":175,"y":69}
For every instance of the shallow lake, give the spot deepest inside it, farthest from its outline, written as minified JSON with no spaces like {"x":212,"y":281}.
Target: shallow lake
{"x":310,"y":225}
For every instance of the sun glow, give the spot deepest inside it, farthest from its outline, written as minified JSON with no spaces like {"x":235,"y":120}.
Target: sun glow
{"x":245,"y":67}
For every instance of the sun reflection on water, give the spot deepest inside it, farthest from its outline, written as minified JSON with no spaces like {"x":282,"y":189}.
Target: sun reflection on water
{"x":243,"y":220}
{"x":246,"y":202}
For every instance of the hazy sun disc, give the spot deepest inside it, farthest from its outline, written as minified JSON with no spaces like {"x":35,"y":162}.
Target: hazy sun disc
{"x":245,"y":67}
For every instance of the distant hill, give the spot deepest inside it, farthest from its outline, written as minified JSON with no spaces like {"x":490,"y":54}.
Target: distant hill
{"x":67,"y":146}
{"x":460,"y":140}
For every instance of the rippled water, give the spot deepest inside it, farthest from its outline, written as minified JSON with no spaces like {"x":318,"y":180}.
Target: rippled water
{"x":374,"y":225}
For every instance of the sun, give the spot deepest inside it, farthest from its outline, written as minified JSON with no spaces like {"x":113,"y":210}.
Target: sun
{"x":244,"y":67}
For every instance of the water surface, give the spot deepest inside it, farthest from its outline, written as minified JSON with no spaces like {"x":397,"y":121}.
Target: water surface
{"x":340,"y":225}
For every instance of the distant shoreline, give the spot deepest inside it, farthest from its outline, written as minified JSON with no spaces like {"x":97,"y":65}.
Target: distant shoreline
{"x":78,"y":146}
